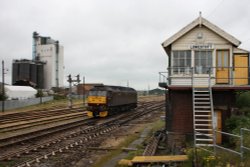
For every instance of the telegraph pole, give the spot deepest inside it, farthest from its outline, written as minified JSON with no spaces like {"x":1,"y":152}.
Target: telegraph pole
{"x":83,"y":91}
{"x":3,"y":91}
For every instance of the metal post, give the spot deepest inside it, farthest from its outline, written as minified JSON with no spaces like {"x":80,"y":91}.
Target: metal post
{"x":70,"y":91}
{"x":209,"y":79}
{"x":195,"y":157}
{"x":70,"y":94}
{"x":241,"y":144}
{"x":41,"y":96}
{"x":83,"y":91}
{"x":3,"y":91}
{"x":166,"y":107}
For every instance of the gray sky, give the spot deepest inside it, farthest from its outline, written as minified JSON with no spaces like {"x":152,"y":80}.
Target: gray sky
{"x":112,"y":41}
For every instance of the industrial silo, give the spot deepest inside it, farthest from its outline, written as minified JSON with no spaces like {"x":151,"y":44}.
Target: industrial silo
{"x":33,"y":73}
{"x":15,"y":71}
{"x":40,"y":75}
{"x":24,"y":70}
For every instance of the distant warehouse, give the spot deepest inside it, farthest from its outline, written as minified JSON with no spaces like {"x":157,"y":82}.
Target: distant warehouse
{"x":20,"y":92}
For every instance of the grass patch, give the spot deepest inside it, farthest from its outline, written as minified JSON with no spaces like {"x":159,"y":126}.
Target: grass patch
{"x":10,"y":163}
{"x":114,"y":153}
{"x":157,"y":125}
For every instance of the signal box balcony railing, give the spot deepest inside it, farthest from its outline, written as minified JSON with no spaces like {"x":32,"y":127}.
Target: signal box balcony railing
{"x":204,"y":76}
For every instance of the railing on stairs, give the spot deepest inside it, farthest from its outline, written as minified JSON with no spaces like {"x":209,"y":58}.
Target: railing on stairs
{"x":215,"y":132}
{"x":203,"y":114}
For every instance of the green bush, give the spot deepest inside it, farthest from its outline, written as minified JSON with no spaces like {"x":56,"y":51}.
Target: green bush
{"x":243,"y":99}
{"x":3,"y":97}
{"x":203,"y":158}
{"x":59,"y":97}
{"x":39,"y":93}
{"x":236,"y":122}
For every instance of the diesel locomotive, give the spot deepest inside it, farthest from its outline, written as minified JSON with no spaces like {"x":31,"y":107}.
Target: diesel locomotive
{"x":107,"y":100}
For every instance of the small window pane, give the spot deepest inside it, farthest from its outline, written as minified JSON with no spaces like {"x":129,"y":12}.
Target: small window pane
{"x":203,"y":60}
{"x":181,"y":60}
{"x":225,"y":58}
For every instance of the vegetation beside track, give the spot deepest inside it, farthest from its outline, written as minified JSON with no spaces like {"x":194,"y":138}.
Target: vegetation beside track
{"x":239,"y":119}
{"x":154,"y":126}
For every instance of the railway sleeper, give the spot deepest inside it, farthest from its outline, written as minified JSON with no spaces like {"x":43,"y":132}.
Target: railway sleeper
{"x":94,"y":135}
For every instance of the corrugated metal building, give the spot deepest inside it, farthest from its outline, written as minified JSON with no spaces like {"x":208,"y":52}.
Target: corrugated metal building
{"x":83,"y":89}
{"x":28,"y":73}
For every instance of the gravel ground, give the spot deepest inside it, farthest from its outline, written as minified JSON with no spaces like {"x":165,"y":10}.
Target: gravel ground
{"x":117,"y":137}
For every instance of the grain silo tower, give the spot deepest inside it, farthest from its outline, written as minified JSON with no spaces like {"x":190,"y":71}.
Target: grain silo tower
{"x":51,"y":52}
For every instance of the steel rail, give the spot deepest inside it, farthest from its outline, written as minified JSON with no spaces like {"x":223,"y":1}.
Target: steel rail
{"x":96,"y":131}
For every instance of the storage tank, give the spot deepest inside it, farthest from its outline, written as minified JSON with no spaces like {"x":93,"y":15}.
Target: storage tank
{"x":33,"y":73}
{"x":28,"y":72}
{"x":24,"y":71}
{"x":40,"y":74}
{"x":14,"y":72}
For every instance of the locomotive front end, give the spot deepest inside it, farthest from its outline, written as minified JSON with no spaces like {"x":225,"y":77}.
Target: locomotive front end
{"x":97,"y":103}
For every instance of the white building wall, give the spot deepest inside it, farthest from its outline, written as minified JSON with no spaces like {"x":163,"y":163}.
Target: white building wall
{"x":208,"y":37}
{"x":61,"y":66}
{"x":47,"y":53}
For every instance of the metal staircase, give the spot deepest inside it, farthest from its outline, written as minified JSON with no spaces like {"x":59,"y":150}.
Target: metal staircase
{"x":202,"y":116}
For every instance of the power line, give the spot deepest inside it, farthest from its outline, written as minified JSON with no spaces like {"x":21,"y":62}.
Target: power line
{"x":213,"y":11}
{"x":246,"y":40}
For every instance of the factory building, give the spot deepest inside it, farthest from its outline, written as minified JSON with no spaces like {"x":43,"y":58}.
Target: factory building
{"x":83,"y":89}
{"x":206,"y":69}
{"x":28,"y":73}
{"x":51,"y":52}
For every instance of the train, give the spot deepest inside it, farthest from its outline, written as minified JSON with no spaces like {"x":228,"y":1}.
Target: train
{"x":107,"y":100}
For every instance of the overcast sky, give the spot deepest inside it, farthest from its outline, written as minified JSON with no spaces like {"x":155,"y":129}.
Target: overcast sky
{"x":112,"y":41}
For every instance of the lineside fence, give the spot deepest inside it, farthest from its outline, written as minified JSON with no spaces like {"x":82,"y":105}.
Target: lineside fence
{"x":13,"y":104}
{"x":242,"y":138}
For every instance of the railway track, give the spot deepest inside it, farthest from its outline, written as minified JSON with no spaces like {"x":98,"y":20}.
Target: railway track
{"x":90,"y":129}
{"x":151,"y":147}
{"x":35,"y":114}
{"x":23,"y":130}
{"x":18,"y":131}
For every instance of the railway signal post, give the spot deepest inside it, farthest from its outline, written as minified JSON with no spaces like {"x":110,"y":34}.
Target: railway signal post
{"x":70,"y":80}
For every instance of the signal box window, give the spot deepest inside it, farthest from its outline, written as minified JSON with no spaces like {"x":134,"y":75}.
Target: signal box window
{"x":203,"y":61}
{"x":181,"y":62}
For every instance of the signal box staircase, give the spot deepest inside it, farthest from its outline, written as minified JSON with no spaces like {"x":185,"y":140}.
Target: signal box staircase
{"x":203,"y":116}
